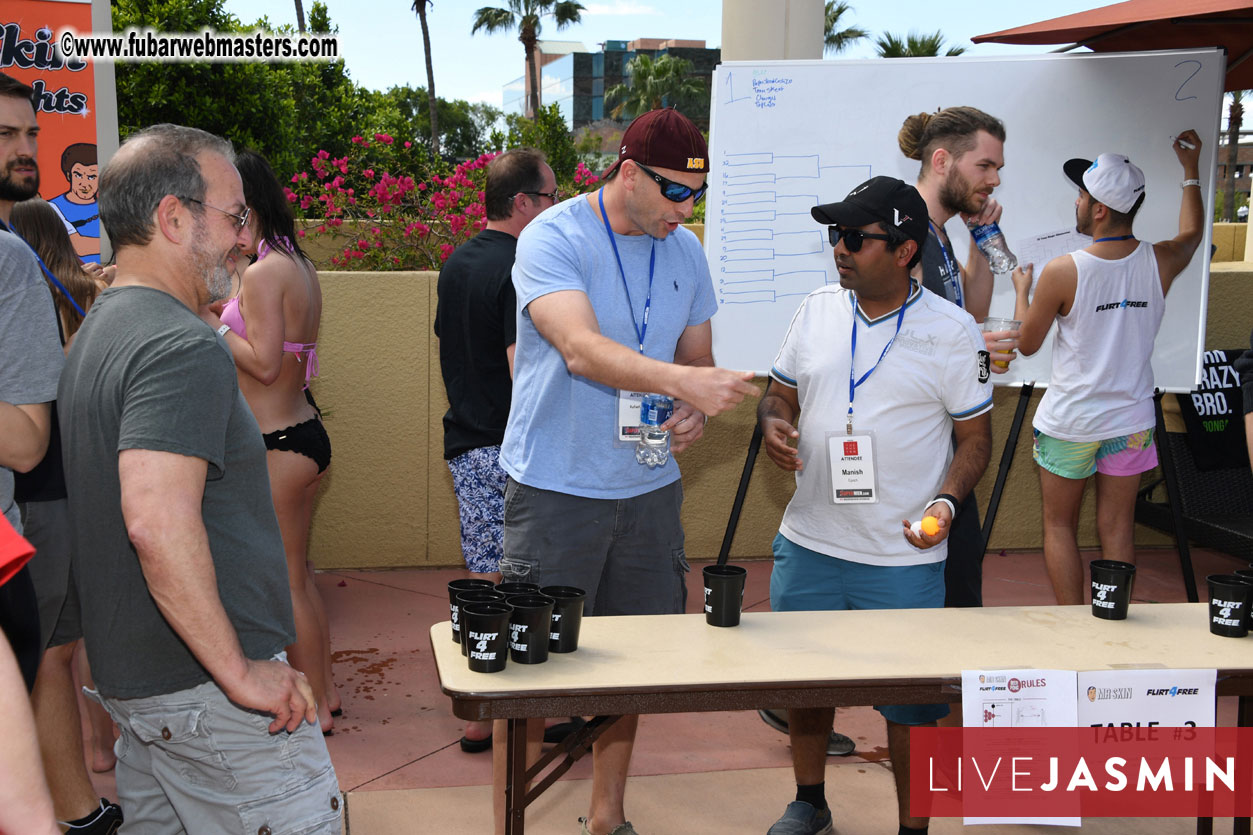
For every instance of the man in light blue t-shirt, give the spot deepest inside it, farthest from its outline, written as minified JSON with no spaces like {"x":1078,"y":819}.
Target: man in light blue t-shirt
{"x":614,"y":300}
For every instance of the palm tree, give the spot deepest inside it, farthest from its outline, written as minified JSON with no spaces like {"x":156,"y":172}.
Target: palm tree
{"x":1235,"y":116}
{"x":654,"y":83}
{"x":914,"y":45}
{"x":836,"y":39}
{"x":300,"y":16}
{"x":524,"y":15}
{"x":419,"y":6}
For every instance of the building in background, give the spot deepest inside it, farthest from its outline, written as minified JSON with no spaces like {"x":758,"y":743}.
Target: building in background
{"x":1244,"y":177}
{"x":576,"y":80}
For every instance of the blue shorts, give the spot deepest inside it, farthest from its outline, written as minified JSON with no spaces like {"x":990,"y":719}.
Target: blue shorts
{"x":479,"y":482}
{"x":807,"y":581}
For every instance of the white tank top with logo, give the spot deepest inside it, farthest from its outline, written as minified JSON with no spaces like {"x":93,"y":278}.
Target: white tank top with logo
{"x":1101,"y":384}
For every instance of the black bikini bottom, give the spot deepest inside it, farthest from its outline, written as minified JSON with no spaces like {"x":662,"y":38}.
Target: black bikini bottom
{"x":308,"y":439}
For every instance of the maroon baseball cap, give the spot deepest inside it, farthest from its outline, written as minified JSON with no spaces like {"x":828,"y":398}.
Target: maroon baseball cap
{"x":664,"y":139}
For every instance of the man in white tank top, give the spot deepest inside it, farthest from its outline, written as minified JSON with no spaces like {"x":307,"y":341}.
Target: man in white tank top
{"x":1107,"y":300}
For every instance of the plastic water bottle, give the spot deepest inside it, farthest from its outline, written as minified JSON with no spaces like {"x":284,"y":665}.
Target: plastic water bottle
{"x":991,"y":242}
{"x":653,"y":449}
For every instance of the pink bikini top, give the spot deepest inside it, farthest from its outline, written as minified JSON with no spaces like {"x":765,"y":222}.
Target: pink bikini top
{"x":306,"y":352}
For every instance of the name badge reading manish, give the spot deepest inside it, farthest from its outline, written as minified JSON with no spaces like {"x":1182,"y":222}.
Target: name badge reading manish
{"x":852,"y":468}
{"x":627,"y":426}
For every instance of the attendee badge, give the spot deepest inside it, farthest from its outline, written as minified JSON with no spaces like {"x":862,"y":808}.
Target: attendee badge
{"x":627,"y":427}
{"x":852,"y":467}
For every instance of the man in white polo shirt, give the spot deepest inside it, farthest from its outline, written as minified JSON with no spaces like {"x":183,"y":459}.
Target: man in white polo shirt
{"x":882,"y":374}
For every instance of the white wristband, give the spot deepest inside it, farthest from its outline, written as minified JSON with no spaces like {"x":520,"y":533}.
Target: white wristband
{"x":1187,"y":183}
{"x":223,"y":329}
{"x":952,"y":508}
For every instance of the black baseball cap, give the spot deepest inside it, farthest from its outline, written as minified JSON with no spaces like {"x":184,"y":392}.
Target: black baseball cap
{"x":885,"y":200}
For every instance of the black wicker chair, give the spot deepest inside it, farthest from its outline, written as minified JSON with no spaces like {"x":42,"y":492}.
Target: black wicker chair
{"x":1215,"y":507}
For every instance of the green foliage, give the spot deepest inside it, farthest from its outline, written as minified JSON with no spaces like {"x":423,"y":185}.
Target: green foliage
{"x":655,"y":82}
{"x":1220,"y":205}
{"x":464,"y":127}
{"x":914,"y":45}
{"x":286,"y":111}
{"x":548,"y":133}
{"x":836,"y":39}
{"x":281,"y":109}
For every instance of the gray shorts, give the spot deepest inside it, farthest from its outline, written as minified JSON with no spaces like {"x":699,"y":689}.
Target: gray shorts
{"x":627,"y":554}
{"x":192,"y":761}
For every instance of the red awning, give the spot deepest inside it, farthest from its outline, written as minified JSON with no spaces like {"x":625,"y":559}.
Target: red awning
{"x":1140,"y":25}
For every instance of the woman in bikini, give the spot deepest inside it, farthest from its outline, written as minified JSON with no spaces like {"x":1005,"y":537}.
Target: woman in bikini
{"x":272,"y":331}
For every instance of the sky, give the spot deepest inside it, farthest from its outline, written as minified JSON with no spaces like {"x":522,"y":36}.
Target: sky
{"x":381,"y":40}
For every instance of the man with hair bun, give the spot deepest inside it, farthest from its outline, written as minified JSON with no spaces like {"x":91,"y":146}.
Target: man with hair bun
{"x":961,"y":150}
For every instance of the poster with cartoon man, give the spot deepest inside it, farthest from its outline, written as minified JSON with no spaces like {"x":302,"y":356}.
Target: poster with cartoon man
{"x":77,"y":206}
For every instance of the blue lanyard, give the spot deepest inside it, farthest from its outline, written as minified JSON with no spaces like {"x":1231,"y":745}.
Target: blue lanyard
{"x":954,"y":272}
{"x":1115,"y":238}
{"x":852,"y":386}
{"x":47,"y":271}
{"x":640,"y":331}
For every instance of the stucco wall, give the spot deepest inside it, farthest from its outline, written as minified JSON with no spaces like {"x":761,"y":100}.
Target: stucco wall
{"x":387,"y":499}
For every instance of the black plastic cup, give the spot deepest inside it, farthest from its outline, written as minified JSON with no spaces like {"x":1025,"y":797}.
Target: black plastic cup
{"x":724,"y":594}
{"x":1229,"y":599}
{"x":528,"y":627}
{"x":1111,"y":588}
{"x":486,"y":635}
{"x":479,"y":595}
{"x":1246,"y":574}
{"x":567,"y":617}
{"x":455,"y":588}
{"x":510,"y":589}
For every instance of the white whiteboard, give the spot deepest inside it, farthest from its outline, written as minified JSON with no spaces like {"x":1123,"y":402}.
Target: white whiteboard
{"x":787,"y":135}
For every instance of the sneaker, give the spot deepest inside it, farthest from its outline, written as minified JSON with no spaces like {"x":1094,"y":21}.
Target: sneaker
{"x":106,"y":820}
{"x":800,"y":818}
{"x":620,"y":829}
{"x":838,"y":745}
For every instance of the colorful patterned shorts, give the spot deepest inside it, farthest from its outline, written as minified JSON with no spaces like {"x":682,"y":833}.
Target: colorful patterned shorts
{"x":479,"y":482}
{"x":1125,"y":455}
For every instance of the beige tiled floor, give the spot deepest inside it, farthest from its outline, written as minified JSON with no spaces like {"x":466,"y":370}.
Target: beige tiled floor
{"x":396,"y":754}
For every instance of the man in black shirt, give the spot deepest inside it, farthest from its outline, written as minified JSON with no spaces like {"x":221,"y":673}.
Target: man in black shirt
{"x":476,"y":322}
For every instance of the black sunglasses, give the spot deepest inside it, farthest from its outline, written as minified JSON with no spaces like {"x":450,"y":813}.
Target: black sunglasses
{"x":553,"y":195}
{"x":675,"y":192}
{"x":853,"y":238}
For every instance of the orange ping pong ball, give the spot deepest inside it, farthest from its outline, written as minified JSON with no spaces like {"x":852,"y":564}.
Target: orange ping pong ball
{"x":930,"y":525}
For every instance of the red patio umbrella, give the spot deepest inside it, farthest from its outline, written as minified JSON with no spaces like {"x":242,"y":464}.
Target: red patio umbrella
{"x":1139,"y":25}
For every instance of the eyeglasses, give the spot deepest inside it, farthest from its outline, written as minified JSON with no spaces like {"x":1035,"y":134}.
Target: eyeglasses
{"x":553,"y":195}
{"x":240,"y":220}
{"x":853,"y":238}
{"x":672,"y":191}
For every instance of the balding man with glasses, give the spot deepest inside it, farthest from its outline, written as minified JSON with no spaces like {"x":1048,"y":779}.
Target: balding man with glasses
{"x":178,"y":560}
{"x":614,"y":301}
{"x":873,"y":376}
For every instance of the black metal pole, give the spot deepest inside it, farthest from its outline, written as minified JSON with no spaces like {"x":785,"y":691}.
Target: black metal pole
{"x":754,"y":446}
{"x":1007,"y":460}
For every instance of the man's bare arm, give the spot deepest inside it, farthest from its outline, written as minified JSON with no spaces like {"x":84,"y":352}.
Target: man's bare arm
{"x":161,"y":504}
{"x":24,"y":432}
{"x":566,"y":319}
{"x":776,"y":415}
{"x":1174,"y":255}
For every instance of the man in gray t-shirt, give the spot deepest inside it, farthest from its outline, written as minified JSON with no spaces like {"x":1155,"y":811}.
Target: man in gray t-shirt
{"x":178,"y":559}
